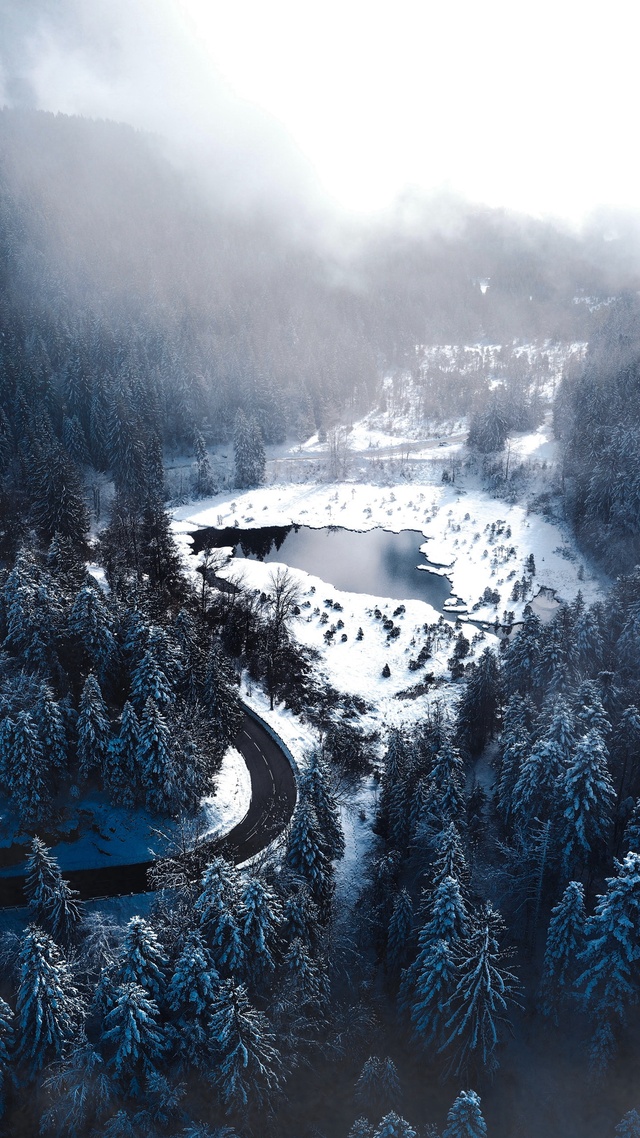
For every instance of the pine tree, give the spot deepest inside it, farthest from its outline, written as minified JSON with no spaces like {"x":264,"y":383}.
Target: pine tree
{"x":217,"y":908}
{"x":132,"y":1036}
{"x":304,"y":981}
{"x":27,"y":772}
{"x":479,"y":1005}
{"x":433,"y":985}
{"x":465,"y":1120}
{"x":318,"y":790}
{"x":534,"y":791}
{"x":399,"y":932}
{"x":7,"y":1043}
{"x":248,"y":1071}
{"x":259,"y":919}
{"x":204,"y":480}
{"x":90,"y":623}
{"x":191,"y":997}
{"x":587,"y":797}
{"x":94,"y":730}
{"x":149,"y":681}
{"x":142,"y":961}
{"x":80,"y":1092}
{"x":50,"y":725}
{"x":248,"y":450}
{"x":361,"y":1128}
{"x":393,"y":1126}
{"x":122,"y":777}
{"x":59,"y":505}
{"x":307,"y":854}
{"x":155,"y":762}
{"x":449,"y":859}
{"x":629,"y":1125}
{"x":221,"y":698}
{"x":522,"y":656}
{"x":447,"y":922}
{"x":565,"y":942}
{"x":52,"y":902}
{"x":610,"y":980}
{"x":47,"y":1007}
{"x":378,"y":1085}
{"x":479,"y":708}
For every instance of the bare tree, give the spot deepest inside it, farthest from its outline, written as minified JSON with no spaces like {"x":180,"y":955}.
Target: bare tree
{"x":283,"y":603}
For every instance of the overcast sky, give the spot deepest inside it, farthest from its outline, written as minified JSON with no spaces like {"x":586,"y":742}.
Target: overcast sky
{"x":528,"y":105}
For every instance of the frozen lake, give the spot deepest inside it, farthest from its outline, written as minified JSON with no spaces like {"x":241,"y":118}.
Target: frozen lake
{"x":377,"y":562}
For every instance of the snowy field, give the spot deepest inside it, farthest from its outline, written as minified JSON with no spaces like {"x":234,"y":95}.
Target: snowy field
{"x":479,"y":541}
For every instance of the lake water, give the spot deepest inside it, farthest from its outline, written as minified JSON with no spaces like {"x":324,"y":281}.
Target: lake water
{"x":377,"y":562}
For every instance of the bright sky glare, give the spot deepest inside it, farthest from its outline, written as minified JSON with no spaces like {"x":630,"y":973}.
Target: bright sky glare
{"x":516,"y":103}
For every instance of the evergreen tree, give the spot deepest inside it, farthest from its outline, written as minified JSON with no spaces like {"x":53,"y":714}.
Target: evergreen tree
{"x":142,"y":961}
{"x":90,"y":623}
{"x":522,"y":657}
{"x":432,"y":987}
{"x":259,"y":918}
{"x":155,"y":762}
{"x":587,"y":796}
{"x":58,"y":502}
{"x":393,"y":1126}
{"x":80,"y":1091}
{"x":378,"y":1086}
{"x":94,"y":730}
{"x":50,"y":725}
{"x":191,"y":998}
{"x":204,"y":482}
{"x":221,"y":698}
{"x":217,"y":907}
{"x":132,"y":1036}
{"x":304,"y":981}
{"x":27,"y":773}
{"x":610,"y":980}
{"x":449,"y":859}
{"x":7,"y":1043}
{"x":565,"y":942}
{"x":533,"y":795}
{"x":465,"y":1120}
{"x":122,"y":777}
{"x":248,"y":451}
{"x":479,"y":1005}
{"x":479,"y":708}
{"x":361,"y":1128}
{"x":248,"y":1071}
{"x":318,"y":790}
{"x":629,"y":1125}
{"x":47,"y":1007}
{"x":399,"y":932}
{"x":307,"y":853}
{"x":149,"y":681}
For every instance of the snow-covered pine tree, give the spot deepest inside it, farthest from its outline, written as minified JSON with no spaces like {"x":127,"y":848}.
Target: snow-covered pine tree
{"x":300,"y":918}
{"x":218,"y":910}
{"x":478,"y":1008}
{"x":449,"y":859}
{"x":586,"y":797}
{"x":378,"y":1087}
{"x":42,"y":880}
{"x":248,"y":451}
{"x":432,"y":986}
{"x":393,"y":1126}
{"x":260,"y":916}
{"x":142,"y":960}
{"x":479,"y":708}
{"x":90,"y":623}
{"x":307,"y":854}
{"x":149,"y":681}
{"x":447,"y":921}
{"x":610,"y":979}
{"x":629,"y":1125}
{"x":221,"y":699}
{"x":465,"y":1119}
{"x":533,"y":795}
{"x":132,"y":1036}
{"x":47,"y":1007}
{"x":191,"y":998}
{"x":631,"y":838}
{"x":248,"y":1070}
{"x":399,"y":932}
{"x":94,"y":730}
{"x":27,"y":772}
{"x":204,"y":482}
{"x":7,"y":1043}
{"x":155,"y":762}
{"x":317,"y":787}
{"x":51,"y":728}
{"x":361,"y":1128}
{"x":122,"y":779}
{"x":565,"y":941}
{"x":304,"y":981}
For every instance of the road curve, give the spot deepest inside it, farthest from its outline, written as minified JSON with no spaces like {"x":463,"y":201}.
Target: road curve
{"x":273,"y":799}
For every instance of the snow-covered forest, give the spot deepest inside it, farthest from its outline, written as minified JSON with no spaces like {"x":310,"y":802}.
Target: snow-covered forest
{"x":443,"y":940}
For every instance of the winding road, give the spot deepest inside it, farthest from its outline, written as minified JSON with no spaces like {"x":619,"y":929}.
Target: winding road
{"x":273,"y":799}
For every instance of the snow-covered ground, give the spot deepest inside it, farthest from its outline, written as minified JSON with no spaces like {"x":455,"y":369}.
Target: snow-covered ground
{"x":480,"y":541}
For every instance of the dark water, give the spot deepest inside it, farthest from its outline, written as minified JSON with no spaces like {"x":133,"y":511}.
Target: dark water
{"x":376,"y":562}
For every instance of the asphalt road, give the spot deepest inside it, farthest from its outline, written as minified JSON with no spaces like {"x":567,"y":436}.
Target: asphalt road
{"x":273,"y":798}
